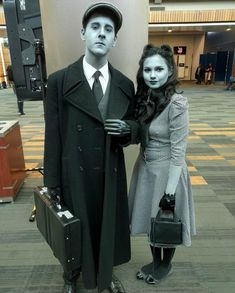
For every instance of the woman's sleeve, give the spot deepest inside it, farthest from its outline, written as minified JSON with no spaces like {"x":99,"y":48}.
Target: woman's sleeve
{"x":178,"y":129}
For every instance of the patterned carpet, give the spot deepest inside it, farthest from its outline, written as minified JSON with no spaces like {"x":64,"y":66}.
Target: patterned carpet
{"x":26,"y":262}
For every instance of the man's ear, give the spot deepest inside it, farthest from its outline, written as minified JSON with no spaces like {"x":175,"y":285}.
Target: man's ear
{"x":115,"y":41}
{"x":82,"y":33}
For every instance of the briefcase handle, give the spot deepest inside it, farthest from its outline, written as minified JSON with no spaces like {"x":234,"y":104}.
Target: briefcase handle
{"x":56,"y":205}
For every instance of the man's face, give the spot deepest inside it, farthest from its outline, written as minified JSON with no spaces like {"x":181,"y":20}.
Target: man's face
{"x":99,"y":35}
{"x":155,"y":71}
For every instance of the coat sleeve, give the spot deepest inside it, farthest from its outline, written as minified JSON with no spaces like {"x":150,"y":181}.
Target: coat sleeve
{"x":52,"y":148}
{"x":178,"y":127}
{"x":129,"y":118}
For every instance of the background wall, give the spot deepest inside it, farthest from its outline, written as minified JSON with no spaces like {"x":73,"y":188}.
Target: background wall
{"x":219,"y":41}
{"x":194,"y":44}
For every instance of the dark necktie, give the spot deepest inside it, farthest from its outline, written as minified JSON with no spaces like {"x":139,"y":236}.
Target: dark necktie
{"x":96,"y":88}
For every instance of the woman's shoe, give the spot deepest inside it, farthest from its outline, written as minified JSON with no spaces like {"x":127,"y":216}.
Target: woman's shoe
{"x":151,"y":280}
{"x":139,"y":275}
{"x":159,"y":275}
{"x":144,"y":271}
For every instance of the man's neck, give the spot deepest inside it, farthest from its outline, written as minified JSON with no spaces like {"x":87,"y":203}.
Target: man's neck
{"x":96,"y":61}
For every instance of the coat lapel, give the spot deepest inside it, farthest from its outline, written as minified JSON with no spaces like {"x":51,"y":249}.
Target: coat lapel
{"x":77,"y":91}
{"x":119,"y":99}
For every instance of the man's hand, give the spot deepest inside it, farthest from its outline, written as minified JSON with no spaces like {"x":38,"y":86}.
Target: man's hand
{"x":116,"y":127}
{"x":55,"y":194}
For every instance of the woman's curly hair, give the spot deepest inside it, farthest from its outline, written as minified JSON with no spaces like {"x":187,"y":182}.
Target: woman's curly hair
{"x":158,"y":97}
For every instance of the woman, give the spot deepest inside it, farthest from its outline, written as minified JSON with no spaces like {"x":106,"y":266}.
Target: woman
{"x":160,"y":168}
{"x":209,"y":74}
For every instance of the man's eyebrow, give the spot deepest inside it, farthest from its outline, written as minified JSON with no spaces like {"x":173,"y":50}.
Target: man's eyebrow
{"x":95,"y":22}
{"x":98,"y":23}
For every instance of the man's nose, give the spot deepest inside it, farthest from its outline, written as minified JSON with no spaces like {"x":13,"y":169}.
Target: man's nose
{"x":102,"y":32}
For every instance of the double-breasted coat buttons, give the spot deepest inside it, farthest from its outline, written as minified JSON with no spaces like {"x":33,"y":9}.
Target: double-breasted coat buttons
{"x":79,"y":127}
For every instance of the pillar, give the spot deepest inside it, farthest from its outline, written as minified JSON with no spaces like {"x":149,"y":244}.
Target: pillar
{"x":61,"y":23}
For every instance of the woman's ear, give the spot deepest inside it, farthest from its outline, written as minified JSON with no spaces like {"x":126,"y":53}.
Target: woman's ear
{"x":170,"y":72}
{"x":82,"y":34}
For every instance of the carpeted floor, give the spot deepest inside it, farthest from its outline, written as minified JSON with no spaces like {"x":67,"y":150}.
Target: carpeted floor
{"x":26,"y":262}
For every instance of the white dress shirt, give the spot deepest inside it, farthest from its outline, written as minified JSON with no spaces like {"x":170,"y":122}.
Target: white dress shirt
{"x":90,"y":70}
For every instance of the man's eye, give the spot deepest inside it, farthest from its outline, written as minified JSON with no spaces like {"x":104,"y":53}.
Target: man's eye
{"x":109,"y":29}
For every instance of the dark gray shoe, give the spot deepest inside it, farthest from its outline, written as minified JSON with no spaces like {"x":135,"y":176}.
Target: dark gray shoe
{"x":70,"y":287}
{"x":116,"y":286}
{"x":143,"y":273}
{"x":159,"y":275}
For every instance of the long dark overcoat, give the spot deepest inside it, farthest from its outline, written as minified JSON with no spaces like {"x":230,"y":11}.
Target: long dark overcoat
{"x":89,"y":169}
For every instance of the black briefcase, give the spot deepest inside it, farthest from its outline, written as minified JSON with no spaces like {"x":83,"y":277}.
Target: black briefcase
{"x":166,"y":229}
{"x":60,"y":228}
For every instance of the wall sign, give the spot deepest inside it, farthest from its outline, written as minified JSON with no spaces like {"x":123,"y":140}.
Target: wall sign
{"x":180,"y":50}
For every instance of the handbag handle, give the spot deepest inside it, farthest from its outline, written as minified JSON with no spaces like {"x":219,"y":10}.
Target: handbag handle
{"x":166,"y":215}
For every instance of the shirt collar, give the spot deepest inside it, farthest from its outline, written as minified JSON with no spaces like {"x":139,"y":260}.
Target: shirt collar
{"x":89,"y":70}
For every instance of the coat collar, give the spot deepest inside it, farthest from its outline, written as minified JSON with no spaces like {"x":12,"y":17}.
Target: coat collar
{"x":77,"y":91}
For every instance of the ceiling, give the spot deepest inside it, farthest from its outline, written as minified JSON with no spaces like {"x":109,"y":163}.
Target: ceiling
{"x":193,"y":28}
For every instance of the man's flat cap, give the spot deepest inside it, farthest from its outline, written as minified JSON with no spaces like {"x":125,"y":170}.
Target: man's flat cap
{"x":105,"y":8}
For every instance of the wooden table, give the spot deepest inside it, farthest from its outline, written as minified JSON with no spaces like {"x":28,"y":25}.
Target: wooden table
{"x":12,"y":164}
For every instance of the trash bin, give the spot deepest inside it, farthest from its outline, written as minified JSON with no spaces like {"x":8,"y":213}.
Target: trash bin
{"x":12,"y":164}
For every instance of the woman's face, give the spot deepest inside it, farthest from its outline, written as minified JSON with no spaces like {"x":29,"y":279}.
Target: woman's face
{"x":155,"y":71}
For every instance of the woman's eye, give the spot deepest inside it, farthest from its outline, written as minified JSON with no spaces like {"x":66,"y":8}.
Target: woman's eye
{"x":158,"y":69}
{"x":147,"y":70}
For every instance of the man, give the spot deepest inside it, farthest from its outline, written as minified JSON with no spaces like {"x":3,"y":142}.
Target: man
{"x":84,"y":161}
{"x":200,"y":74}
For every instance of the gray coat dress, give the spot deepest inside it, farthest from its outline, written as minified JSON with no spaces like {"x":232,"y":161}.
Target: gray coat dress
{"x":166,"y":145}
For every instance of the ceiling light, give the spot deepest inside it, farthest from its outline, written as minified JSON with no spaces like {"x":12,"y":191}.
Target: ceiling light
{"x":191,"y":24}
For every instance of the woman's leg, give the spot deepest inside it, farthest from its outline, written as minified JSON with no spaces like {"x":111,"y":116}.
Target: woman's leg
{"x":164,"y":269}
{"x":149,"y":268}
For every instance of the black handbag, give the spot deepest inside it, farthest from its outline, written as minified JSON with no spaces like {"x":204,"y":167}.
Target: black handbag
{"x":166,"y":229}
{"x":60,"y":228}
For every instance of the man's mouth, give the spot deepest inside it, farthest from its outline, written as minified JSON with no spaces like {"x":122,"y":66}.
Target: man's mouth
{"x":100,"y":43}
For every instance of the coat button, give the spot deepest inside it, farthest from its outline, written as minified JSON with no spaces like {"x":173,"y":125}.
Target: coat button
{"x":79,"y":127}
{"x":81,"y":168}
{"x":79,"y":149}
{"x":115,"y":170}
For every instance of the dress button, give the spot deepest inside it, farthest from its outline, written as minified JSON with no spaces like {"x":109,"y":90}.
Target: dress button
{"x":79,"y":149}
{"x":115,"y":170}
{"x":81,"y":168}
{"x":79,"y":127}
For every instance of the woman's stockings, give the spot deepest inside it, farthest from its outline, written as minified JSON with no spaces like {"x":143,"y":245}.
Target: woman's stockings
{"x":163,"y":269}
{"x":149,"y":268}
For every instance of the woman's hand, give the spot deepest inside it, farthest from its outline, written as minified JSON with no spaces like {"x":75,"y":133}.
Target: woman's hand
{"x":167,"y":202}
